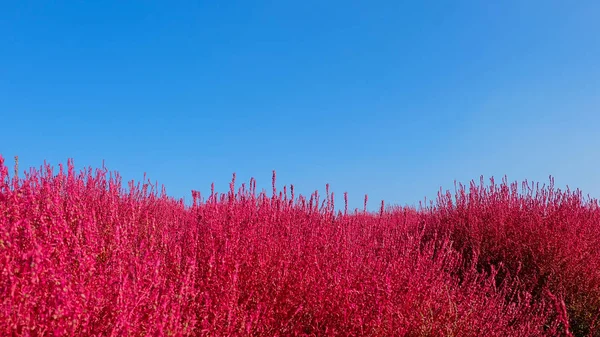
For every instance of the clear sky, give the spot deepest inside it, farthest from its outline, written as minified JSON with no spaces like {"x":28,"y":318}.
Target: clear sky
{"x":391,"y":98}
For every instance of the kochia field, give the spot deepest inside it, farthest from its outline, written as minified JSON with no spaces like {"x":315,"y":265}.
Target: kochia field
{"x":81,"y":255}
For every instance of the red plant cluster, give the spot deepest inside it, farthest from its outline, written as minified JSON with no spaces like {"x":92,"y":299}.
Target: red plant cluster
{"x":82,"y":256}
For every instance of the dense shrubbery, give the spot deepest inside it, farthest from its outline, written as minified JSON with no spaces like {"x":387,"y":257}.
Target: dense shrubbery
{"x":80,"y":255}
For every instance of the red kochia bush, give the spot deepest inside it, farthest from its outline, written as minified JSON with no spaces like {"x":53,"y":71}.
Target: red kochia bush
{"x":82,"y":256}
{"x":547,"y":238}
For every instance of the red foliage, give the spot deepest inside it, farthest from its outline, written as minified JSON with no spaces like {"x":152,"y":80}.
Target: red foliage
{"x":80,"y":255}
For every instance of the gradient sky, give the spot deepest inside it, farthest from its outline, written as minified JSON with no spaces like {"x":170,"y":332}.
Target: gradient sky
{"x":394,"y":99}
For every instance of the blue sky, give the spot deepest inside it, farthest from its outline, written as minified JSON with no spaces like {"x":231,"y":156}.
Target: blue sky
{"x":390,"y":98}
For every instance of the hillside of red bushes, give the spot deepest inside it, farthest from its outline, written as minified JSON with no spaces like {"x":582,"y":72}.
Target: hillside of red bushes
{"x":82,"y":255}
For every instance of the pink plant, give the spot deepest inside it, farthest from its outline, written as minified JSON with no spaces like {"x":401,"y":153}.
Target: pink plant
{"x":82,"y":256}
